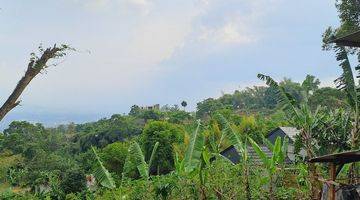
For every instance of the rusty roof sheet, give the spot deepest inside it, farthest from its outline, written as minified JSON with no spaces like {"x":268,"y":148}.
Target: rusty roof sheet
{"x":351,"y":40}
{"x":339,"y":158}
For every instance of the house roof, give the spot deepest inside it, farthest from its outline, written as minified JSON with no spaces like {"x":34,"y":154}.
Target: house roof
{"x":339,"y":158}
{"x":351,"y":40}
{"x":291,"y":132}
{"x":233,"y":155}
{"x":254,"y":157}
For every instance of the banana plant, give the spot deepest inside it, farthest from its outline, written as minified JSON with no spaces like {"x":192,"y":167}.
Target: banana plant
{"x":193,"y":155}
{"x":233,"y":137}
{"x":275,"y":162}
{"x":101,"y":174}
{"x":136,"y":160}
{"x":299,"y":114}
{"x":347,"y":83}
{"x":196,"y":158}
{"x":302,"y":117}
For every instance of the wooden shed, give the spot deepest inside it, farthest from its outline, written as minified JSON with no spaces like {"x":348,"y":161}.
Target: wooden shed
{"x":350,"y":40}
{"x":336,"y":162}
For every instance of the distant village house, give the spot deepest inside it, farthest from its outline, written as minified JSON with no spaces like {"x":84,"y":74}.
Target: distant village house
{"x":282,"y":132}
{"x":153,"y":107}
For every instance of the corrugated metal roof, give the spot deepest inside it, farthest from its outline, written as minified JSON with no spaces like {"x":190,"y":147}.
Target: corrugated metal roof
{"x":290,"y":131}
{"x":340,"y":158}
{"x":254,"y":157}
{"x":232,"y":154}
{"x":351,"y":40}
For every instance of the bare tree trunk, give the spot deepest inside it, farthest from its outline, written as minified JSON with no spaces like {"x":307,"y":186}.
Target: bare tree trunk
{"x":353,"y":170}
{"x":35,"y":66}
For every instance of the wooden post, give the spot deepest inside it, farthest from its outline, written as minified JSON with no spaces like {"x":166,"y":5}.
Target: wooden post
{"x":332,"y":177}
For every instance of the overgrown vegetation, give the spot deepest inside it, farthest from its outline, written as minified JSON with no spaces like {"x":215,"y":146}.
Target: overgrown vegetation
{"x":169,"y":156}
{"x":169,"y":153}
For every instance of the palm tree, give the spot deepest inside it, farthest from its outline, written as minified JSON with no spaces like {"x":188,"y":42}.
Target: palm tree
{"x":300,"y":116}
{"x":184,"y":104}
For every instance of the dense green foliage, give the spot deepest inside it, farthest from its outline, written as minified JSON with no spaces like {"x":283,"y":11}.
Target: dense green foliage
{"x":164,"y":153}
{"x":167,"y":135}
{"x":114,"y":156}
{"x":170,"y":153}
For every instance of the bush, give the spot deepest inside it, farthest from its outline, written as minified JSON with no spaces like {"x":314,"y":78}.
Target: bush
{"x":166,"y":134}
{"x":113,"y":156}
{"x":10,"y":195}
{"x":74,"y":181}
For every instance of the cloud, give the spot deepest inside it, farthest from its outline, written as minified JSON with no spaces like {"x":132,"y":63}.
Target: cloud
{"x":138,"y":2}
{"x":234,"y":23}
{"x":229,"y":33}
{"x":129,"y":41}
{"x":156,"y":41}
{"x":125,"y":6}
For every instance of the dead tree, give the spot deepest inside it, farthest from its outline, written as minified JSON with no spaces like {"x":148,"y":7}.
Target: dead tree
{"x":36,"y":65}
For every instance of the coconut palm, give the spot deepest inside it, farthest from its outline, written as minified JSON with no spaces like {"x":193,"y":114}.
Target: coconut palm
{"x":184,"y":104}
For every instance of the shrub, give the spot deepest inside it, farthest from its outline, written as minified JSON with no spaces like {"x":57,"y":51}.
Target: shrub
{"x":113,"y":156}
{"x":166,"y":134}
{"x":74,"y":181}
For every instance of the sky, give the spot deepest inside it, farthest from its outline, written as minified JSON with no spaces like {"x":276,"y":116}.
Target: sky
{"x":156,"y":51}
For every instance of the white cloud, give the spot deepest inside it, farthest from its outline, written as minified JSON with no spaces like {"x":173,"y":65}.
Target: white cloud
{"x":96,"y":4}
{"x":156,"y":41}
{"x":138,"y":2}
{"x":127,"y":49}
{"x":239,"y":26}
{"x":229,"y":33}
{"x":124,"y":6}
